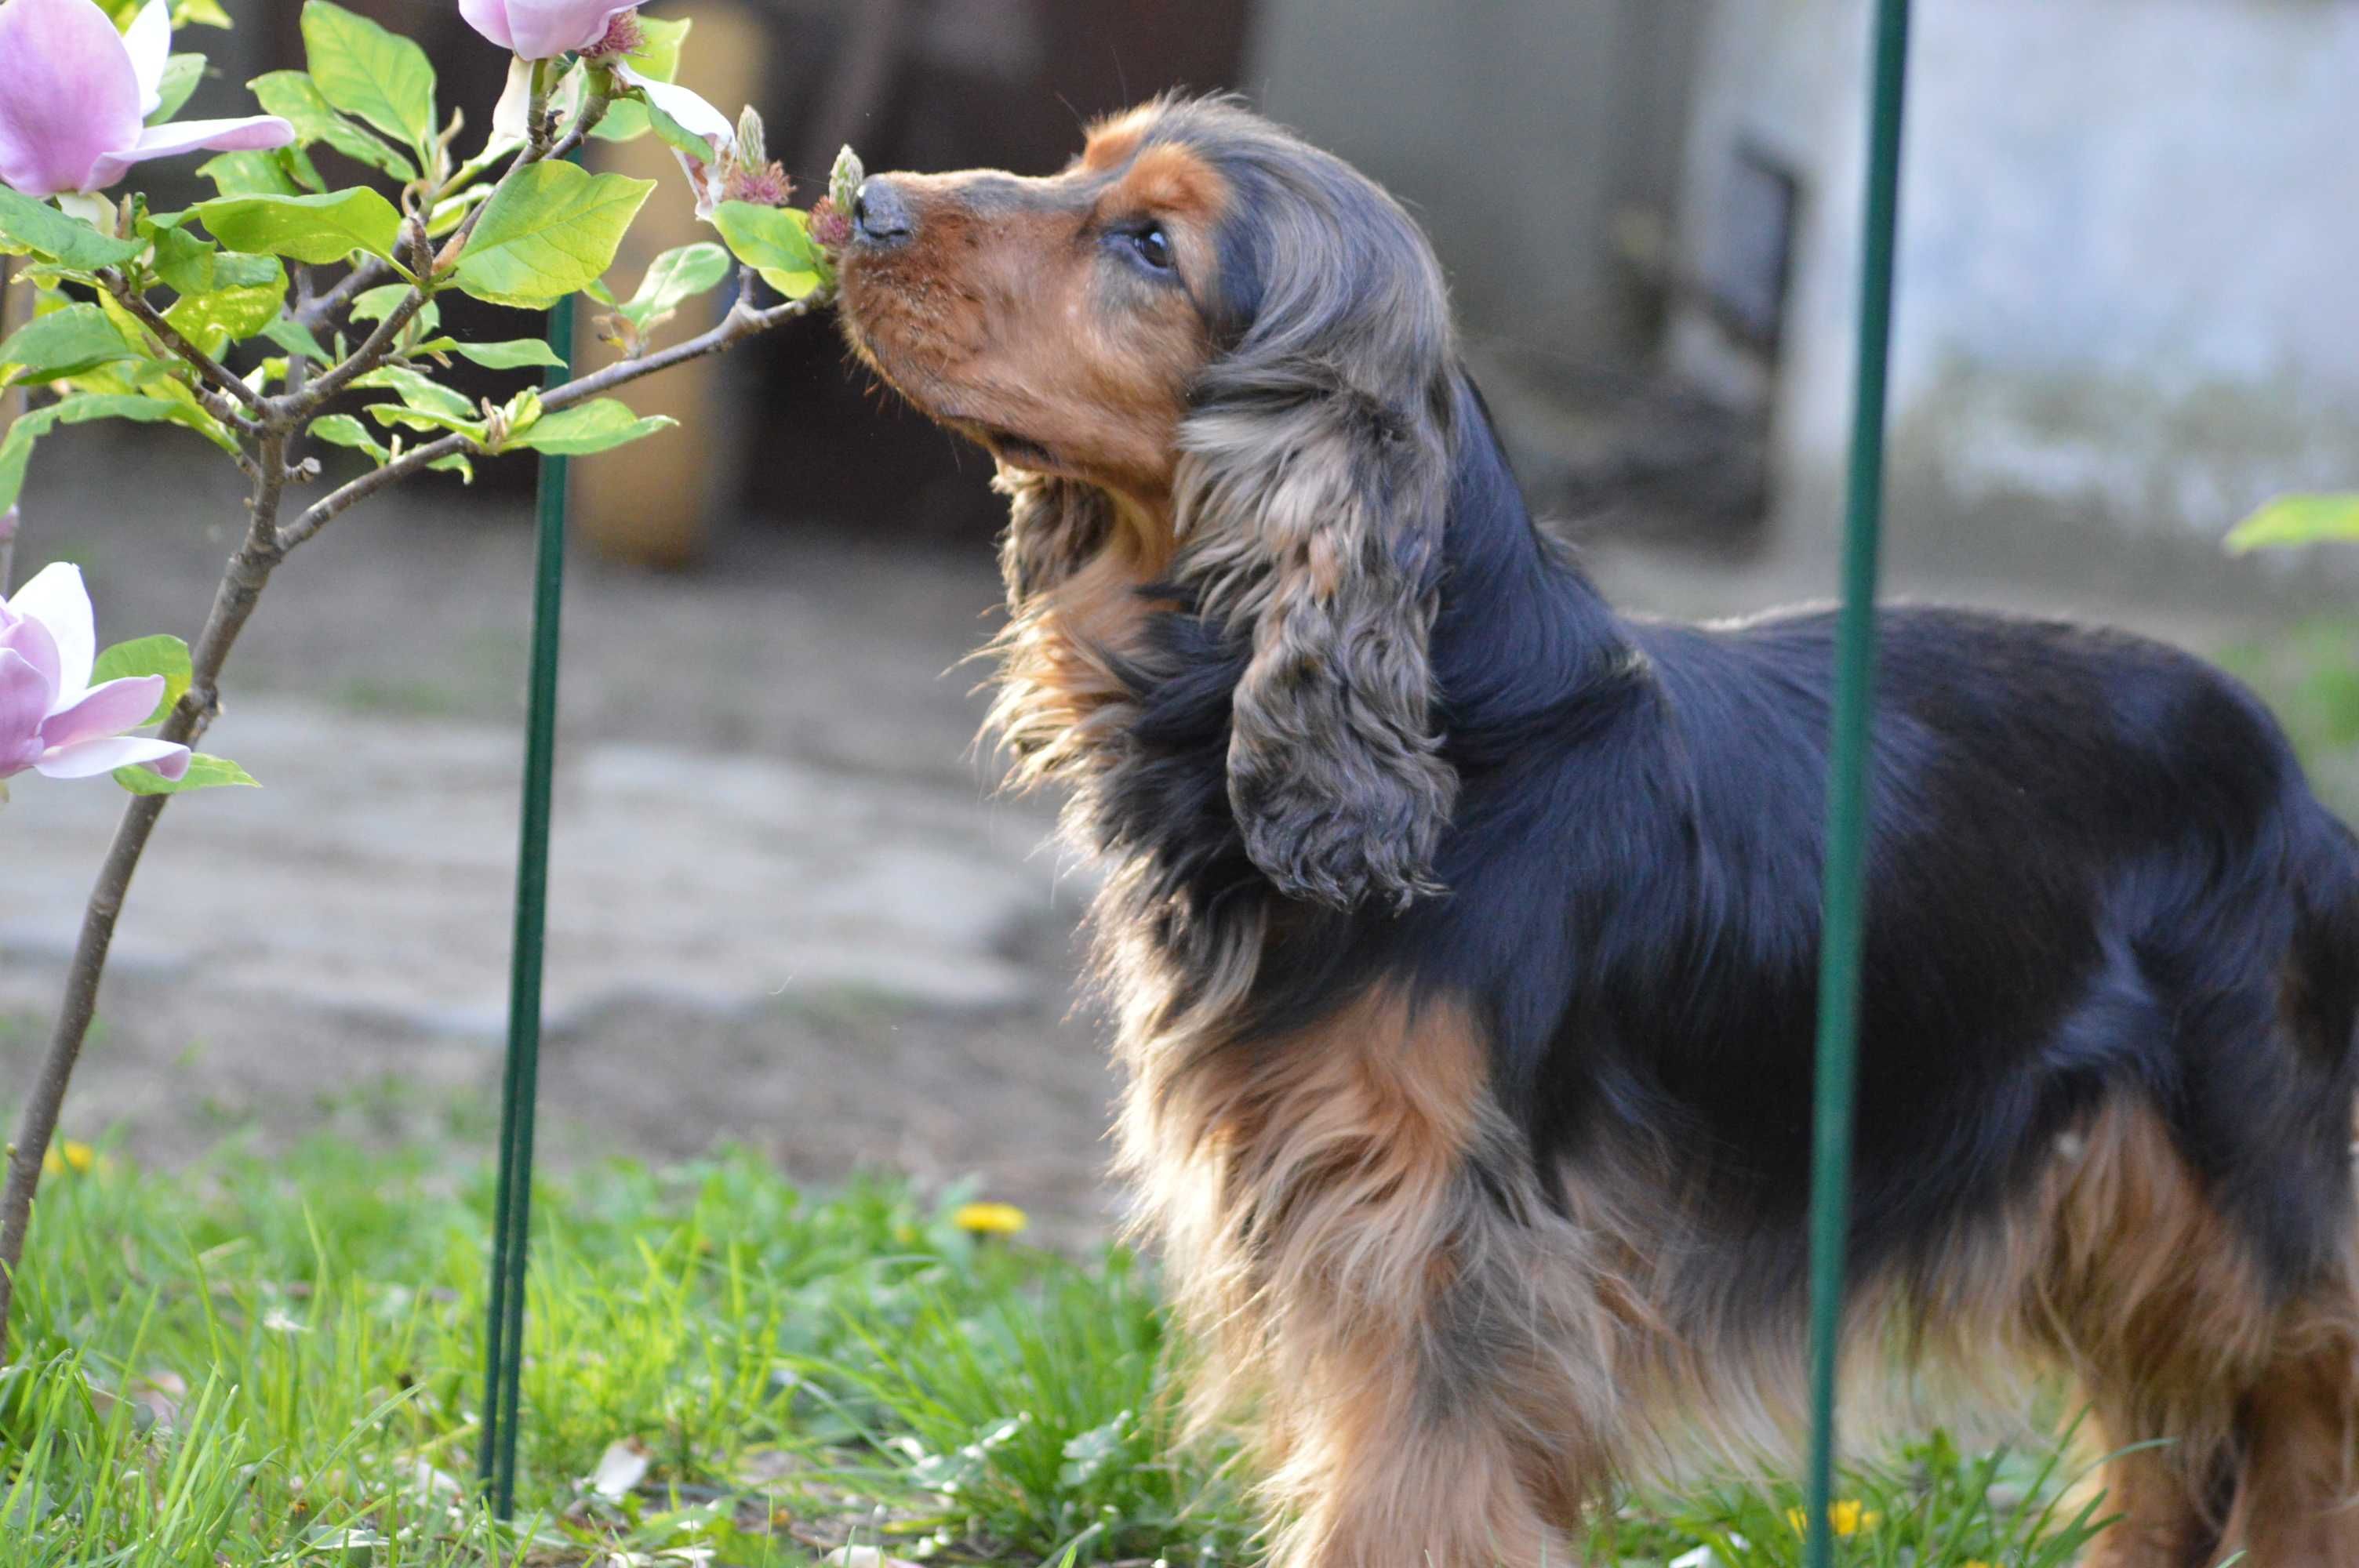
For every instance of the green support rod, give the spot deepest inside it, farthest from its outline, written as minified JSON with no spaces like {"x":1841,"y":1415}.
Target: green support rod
{"x":1847,"y":783}
{"x":512,"y":1206}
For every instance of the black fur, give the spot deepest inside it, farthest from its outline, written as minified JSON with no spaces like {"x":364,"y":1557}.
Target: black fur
{"x":2095,"y":870}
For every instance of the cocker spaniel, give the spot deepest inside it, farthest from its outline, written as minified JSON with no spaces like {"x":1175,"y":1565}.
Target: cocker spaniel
{"x":1462,"y":932}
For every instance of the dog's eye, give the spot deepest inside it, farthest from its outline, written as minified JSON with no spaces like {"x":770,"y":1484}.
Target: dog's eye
{"x":1153,"y":247}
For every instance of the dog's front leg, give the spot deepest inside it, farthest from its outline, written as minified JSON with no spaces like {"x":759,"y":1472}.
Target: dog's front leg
{"x":1352,"y":1231}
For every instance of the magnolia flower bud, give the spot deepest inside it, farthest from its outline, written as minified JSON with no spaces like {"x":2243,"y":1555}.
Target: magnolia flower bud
{"x":749,"y":136}
{"x":843,"y":180}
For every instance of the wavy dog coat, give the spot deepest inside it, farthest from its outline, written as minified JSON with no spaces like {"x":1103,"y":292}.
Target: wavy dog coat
{"x":1463,"y":933}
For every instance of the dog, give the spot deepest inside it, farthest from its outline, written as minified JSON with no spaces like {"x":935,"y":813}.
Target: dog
{"x":1461,"y":934}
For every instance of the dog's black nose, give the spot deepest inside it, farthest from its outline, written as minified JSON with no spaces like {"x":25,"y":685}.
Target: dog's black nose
{"x":879,"y":214}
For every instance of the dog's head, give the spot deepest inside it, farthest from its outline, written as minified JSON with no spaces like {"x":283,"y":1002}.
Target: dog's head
{"x":1207,"y":332}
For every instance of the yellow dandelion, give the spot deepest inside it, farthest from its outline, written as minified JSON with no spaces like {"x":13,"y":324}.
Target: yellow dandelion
{"x":989,"y":1218}
{"x":1848,"y":1515}
{"x":67,"y":1155}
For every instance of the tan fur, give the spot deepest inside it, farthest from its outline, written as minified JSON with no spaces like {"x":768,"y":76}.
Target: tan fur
{"x":2149,"y":1298}
{"x":1005,"y":327}
{"x":1318,"y":1206}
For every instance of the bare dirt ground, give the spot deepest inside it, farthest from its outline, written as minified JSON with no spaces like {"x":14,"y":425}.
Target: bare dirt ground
{"x":787,"y":911}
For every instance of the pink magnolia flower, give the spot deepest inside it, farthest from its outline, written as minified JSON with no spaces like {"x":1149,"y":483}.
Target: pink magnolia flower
{"x":542,"y":30}
{"x":73,"y":93}
{"x":51,"y":719}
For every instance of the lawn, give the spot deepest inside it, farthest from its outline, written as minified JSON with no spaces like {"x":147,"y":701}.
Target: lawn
{"x":272,"y":1358}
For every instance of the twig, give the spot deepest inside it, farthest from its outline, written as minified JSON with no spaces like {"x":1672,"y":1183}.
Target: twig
{"x":299,"y":404}
{"x":12,"y":403}
{"x":203,"y":362}
{"x":366,"y":276}
{"x":241,"y":586}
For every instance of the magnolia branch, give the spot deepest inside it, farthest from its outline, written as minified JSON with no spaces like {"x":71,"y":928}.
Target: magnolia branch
{"x":266,"y":544}
{"x":738,"y":325}
{"x":269,"y":427}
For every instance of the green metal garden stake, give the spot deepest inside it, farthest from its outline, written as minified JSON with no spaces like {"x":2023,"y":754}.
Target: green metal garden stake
{"x":512,"y":1206}
{"x":1839,"y":936}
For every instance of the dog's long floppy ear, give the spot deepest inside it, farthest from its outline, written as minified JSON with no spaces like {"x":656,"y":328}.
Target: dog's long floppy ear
{"x":1311,"y":493}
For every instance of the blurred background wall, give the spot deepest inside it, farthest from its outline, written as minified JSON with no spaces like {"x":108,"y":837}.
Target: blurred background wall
{"x":2128,"y":312}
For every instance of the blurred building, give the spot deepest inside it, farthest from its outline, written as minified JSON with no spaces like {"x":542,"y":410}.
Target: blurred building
{"x":2127,"y":311}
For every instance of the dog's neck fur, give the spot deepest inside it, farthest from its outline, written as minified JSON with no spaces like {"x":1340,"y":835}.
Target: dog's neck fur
{"x":1520,"y":631}
{"x":1113,"y":685}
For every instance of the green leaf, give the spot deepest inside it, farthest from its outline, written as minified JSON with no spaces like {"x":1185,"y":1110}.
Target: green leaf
{"x":16,"y":448}
{"x":181,"y":75}
{"x":294,"y":97}
{"x":371,"y":74}
{"x":674,"y":278}
{"x":550,"y":230}
{"x":417,"y":391}
{"x":458,"y":463}
{"x":656,"y":60}
{"x":593,"y":427}
{"x":377,"y":304}
{"x":199,"y":14}
{"x":297,"y":339}
{"x":212,"y":321}
{"x":452,"y":211}
{"x":63,"y":343}
{"x":158,"y":655}
{"x":315,"y":229}
{"x":515,"y":354}
{"x":775,"y":241}
{"x":670,"y":131}
{"x":2294,"y":520}
{"x":37,"y":227}
{"x":204,"y":772}
{"x":251,"y":173}
{"x":393,"y":414}
{"x":343,"y":431}
{"x":191,"y":264}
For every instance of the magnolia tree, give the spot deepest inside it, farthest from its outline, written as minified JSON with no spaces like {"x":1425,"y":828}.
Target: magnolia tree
{"x":288,"y":313}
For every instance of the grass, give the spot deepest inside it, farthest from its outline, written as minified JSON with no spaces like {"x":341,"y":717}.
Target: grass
{"x":2309,"y":674}
{"x":272,"y":1358}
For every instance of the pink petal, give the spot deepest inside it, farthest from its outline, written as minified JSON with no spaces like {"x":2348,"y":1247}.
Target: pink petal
{"x":107,"y":710}
{"x":489,"y":17}
{"x":88,"y":758}
{"x":32,"y":642}
{"x":71,"y":95}
{"x":543,"y":29}
{"x":251,"y":134}
{"x":148,"y":42}
{"x":56,"y":597}
{"x":24,"y":700}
